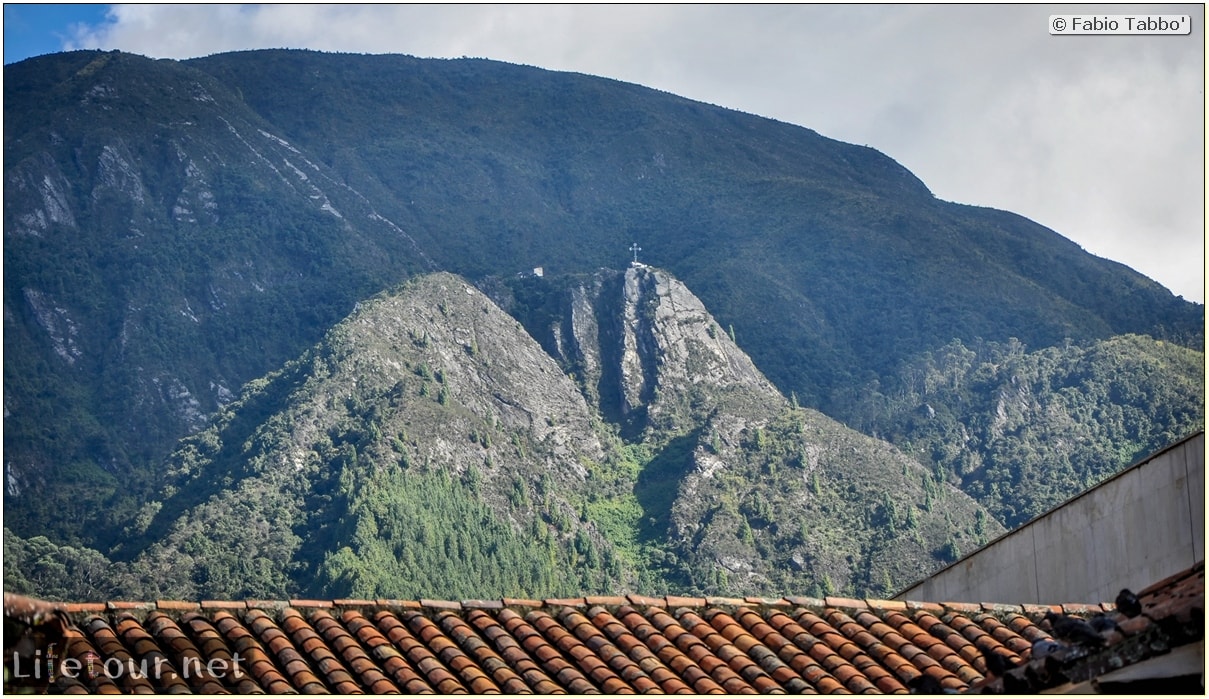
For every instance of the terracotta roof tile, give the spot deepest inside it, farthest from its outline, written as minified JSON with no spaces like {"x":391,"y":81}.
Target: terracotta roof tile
{"x":682,"y":668}
{"x":674,"y":601}
{"x":382,"y":686}
{"x":925,"y":606}
{"x":267,"y":604}
{"x":810,"y":657}
{"x":725,"y":601}
{"x":355,"y":603}
{"x":1038,"y":611}
{"x":644,"y":601}
{"x":1006,"y":635}
{"x":886,"y":604}
{"x":499,"y":653}
{"x":308,"y":603}
{"x":223,"y":604}
{"x":813,"y":602}
{"x":518,"y":602}
{"x":774,"y":653}
{"x":354,"y":656}
{"x":583,"y":645}
{"x":552,"y":663}
{"x":127,"y":605}
{"x":1134,"y":626}
{"x":624,"y":662}
{"x":482,"y":604}
{"x":564,"y":602}
{"x":440,"y":604}
{"x":198,"y":670}
{"x":613,"y":601}
{"x":697,"y":652}
{"x":722,"y":646}
{"x":845,"y":603}
{"x":1002,"y":608}
{"x":768,"y":601}
{"x":84,"y":607}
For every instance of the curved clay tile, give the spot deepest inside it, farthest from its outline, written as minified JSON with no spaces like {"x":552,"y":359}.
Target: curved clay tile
{"x":503,"y":676}
{"x":895,"y":641}
{"x":621,"y":663}
{"x":588,"y":662}
{"x":284,"y":654}
{"x":792,"y":658}
{"x":255,"y":659}
{"x":1024,"y":627}
{"x":617,"y":632}
{"x":1005,"y":634}
{"x":698,"y":652}
{"x":879,"y":663}
{"x":417,"y":654}
{"x":828,"y":660}
{"x":151,"y":659}
{"x":512,"y":653}
{"x":100,"y":640}
{"x":401,"y":674}
{"x":828,"y":636}
{"x":183,"y":654}
{"x":755,"y":652}
{"x":769,"y":660}
{"x":668,"y":653}
{"x":984,"y":641}
{"x":88,"y":676}
{"x":324,"y":662}
{"x":211,"y":645}
{"x":365,"y":672}
{"x":598,"y":644}
{"x":929,"y":622}
{"x":448,"y":651}
{"x":554,"y":665}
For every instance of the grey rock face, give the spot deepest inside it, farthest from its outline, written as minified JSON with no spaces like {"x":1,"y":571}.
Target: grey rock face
{"x":647,"y":352}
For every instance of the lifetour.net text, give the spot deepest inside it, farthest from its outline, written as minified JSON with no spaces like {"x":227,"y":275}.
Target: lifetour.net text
{"x":50,"y":666}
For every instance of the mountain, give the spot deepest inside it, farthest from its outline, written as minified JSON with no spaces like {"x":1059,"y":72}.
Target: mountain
{"x":429,"y":446}
{"x":175,"y":230}
{"x":1024,"y":431}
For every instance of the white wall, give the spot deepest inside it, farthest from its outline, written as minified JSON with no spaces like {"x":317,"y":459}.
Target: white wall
{"x":1138,"y":527}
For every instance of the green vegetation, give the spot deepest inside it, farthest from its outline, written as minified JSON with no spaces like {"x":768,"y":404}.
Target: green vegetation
{"x":1022,"y":431}
{"x":178,"y":230}
{"x":413,"y":536}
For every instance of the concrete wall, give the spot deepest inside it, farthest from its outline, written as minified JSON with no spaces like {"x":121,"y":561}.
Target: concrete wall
{"x":1138,"y":527}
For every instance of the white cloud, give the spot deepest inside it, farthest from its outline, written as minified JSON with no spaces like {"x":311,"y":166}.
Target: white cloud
{"x":1099,"y":138}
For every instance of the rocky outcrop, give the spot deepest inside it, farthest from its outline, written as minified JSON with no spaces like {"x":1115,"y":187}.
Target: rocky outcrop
{"x":675,"y":357}
{"x":648,"y":354}
{"x":312,"y":471}
{"x":748,"y":491}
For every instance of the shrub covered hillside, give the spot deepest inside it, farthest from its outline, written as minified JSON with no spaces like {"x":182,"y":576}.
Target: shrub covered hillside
{"x":429,"y":448}
{"x":181,"y":238}
{"x":1021,"y":430}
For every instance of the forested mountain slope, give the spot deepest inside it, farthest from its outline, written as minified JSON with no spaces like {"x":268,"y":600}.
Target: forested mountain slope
{"x":177,"y":229}
{"x":428,"y":447}
{"x":1023,"y":431}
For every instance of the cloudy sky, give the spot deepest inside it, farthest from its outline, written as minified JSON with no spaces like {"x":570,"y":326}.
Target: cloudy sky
{"x":1101,"y":138}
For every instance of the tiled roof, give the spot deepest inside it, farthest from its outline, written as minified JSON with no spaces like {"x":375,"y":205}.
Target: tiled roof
{"x":1173,"y":618}
{"x":611,"y":645}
